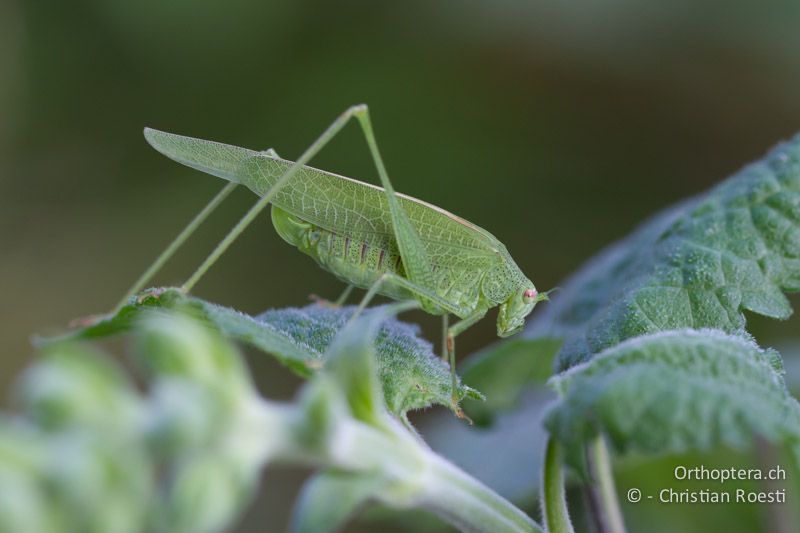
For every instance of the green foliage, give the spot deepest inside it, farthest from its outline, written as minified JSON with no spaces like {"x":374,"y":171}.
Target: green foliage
{"x":655,"y":355}
{"x":203,"y":408}
{"x":370,"y":455}
{"x":674,"y":392}
{"x":698,"y":265}
{"x":655,"y":358}
{"x":412,"y":376}
{"x":87,"y":452}
{"x":556,"y":517}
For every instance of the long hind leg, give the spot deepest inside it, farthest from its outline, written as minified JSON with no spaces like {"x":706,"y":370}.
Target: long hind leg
{"x":187,"y":232}
{"x":418,"y":292}
{"x":450,"y":343}
{"x":178,"y":241}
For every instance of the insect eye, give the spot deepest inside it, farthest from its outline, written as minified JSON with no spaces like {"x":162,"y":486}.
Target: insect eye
{"x":529,"y":294}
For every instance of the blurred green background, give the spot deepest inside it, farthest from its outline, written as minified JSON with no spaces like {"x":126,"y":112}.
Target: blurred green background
{"x":558,"y":126}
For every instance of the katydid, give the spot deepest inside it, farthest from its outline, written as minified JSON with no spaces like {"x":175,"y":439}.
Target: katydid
{"x":372,"y":237}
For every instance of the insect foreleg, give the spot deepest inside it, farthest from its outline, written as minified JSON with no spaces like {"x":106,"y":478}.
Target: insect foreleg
{"x":450,"y":343}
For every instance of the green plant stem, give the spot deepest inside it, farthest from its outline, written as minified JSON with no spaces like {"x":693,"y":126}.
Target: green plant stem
{"x":554,"y":502}
{"x":413,"y":475}
{"x":424,"y":479}
{"x":602,"y":493}
{"x":176,"y":243}
{"x":468,"y":504}
{"x":237,"y":230}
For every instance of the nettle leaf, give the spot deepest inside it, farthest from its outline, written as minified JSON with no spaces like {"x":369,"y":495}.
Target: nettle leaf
{"x":697,"y":265}
{"x":673,"y":392}
{"x":352,"y":364}
{"x":412,"y":376}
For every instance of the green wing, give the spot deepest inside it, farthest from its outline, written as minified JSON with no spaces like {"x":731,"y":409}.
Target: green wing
{"x":337,"y":203}
{"x":221,"y":160}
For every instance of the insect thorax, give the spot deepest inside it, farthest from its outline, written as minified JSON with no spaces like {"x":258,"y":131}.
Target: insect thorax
{"x":502,"y":281}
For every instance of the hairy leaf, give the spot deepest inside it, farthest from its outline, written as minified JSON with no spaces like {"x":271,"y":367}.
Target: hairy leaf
{"x":373,"y":456}
{"x":185,"y":452}
{"x":697,"y":265}
{"x":673,"y":392}
{"x":412,"y":376}
{"x":352,"y":364}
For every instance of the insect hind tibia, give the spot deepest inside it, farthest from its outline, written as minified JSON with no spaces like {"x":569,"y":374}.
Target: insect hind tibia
{"x":412,"y":251}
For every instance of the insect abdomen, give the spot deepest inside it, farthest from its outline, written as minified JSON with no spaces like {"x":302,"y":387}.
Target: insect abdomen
{"x":353,"y":261}
{"x":361,"y":264}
